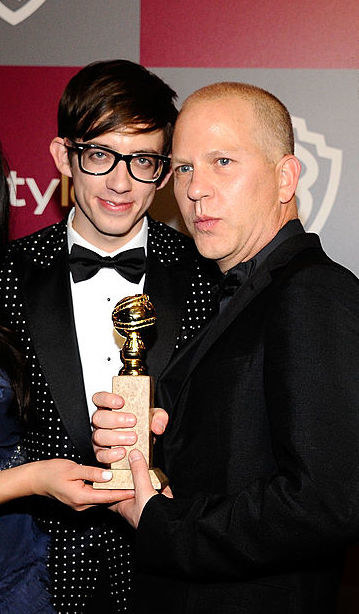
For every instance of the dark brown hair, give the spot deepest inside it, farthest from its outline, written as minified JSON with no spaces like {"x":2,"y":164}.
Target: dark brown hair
{"x":13,"y":363}
{"x":109,"y":94}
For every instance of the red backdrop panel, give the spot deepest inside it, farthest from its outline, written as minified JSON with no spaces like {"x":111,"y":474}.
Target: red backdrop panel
{"x":262,"y":34}
{"x":28,"y":107}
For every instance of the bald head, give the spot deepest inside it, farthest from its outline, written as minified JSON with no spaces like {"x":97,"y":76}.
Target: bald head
{"x":272,"y":124}
{"x":235,"y":175}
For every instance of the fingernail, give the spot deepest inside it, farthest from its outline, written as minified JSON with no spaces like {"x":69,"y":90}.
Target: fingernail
{"x":132,"y":437}
{"x":161,"y":427}
{"x":118,"y":401}
{"x":107,"y":475}
{"x":130,"y":420}
{"x":117,"y":454}
{"x":134,"y":455}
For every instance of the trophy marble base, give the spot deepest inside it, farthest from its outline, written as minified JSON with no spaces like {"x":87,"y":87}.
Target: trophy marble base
{"x":122,"y":479}
{"x":138,"y":394}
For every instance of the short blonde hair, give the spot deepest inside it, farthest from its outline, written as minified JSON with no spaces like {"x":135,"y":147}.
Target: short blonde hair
{"x":276,"y":130}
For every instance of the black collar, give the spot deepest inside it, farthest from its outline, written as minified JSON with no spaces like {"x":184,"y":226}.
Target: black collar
{"x":241,"y":272}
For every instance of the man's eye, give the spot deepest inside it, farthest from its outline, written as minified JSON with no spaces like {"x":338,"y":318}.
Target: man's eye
{"x":224,"y":161}
{"x":144,"y":162}
{"x":97,"y":155}
{"x":184,"y":168}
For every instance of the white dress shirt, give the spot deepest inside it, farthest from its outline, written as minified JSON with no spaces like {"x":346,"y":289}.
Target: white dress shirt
{"x":93,"y":301}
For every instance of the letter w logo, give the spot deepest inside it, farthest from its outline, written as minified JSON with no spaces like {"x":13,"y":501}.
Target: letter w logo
{"x":15,"y":16}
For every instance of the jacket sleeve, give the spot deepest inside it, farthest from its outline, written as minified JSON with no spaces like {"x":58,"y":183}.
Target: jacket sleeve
{"x":310,"y":507}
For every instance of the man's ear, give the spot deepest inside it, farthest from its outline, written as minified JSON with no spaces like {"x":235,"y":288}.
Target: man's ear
{"x":60,"y":156}
{"x":288,"y":175}
{"x":164,"y":180}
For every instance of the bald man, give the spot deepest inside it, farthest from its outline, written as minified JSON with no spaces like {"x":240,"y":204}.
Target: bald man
{"x":262,"y":448}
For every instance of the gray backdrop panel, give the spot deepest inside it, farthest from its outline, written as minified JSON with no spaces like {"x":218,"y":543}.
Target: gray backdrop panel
{"x":72,"y":33}
{"x":328,"y":102}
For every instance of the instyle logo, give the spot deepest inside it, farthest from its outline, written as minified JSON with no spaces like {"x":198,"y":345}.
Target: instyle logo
{"x":320,"y":177}
{"x":14,"y":16}
{"x":29,"y":186}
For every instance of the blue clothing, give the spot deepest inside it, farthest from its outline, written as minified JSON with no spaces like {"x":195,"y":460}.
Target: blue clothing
{"x":23,"y":573}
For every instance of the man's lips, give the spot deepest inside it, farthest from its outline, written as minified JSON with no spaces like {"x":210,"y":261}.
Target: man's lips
{"x":205,"y":223}
{"x":113,"y":205}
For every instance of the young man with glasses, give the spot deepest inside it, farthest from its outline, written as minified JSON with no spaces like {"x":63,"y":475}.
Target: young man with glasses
{"x":115,"y":123}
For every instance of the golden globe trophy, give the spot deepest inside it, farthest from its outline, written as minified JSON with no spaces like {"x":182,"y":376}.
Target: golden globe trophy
{"x":129,"y":316}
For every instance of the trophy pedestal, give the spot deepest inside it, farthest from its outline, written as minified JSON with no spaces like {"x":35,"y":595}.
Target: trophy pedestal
{"x":138,"y":394}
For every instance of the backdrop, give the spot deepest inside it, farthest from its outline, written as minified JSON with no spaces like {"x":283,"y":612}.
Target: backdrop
{"x":306,"y":53}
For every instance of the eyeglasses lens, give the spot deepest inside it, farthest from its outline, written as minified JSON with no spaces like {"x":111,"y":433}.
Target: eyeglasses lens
{"x":97,"y":160}
{"x":146,"y":168}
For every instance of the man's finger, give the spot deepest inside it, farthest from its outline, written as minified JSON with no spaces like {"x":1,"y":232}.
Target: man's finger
{"x":159,"y":421}
{"x":109,"y":455}
{"x":108,"y":399}
{"x":141,"y":476}
{"x":105,"y":419}
{"x":106,"y":437}
{"x":167,"y":492}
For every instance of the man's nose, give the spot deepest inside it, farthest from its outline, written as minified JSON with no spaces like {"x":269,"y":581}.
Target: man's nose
{"x":119,"y":179}
{"x":199,"y":186}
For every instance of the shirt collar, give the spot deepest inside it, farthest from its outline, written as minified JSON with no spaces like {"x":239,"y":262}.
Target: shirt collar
{"x":235,"y":277}
{"x":139,"y":240}
{"x":291,"y":228}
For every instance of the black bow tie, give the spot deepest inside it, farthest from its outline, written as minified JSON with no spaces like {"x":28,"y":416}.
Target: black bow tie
{"x":85,"y":263}
{"x":227,"y":287}
{"x":231,"y":281}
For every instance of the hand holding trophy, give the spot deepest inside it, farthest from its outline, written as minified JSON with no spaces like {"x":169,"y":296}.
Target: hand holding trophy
{"x":130,"y":315}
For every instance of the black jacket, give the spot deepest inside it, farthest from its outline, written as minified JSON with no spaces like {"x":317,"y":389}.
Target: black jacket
{"x":262,"y":450}
{"x":91,"y":551}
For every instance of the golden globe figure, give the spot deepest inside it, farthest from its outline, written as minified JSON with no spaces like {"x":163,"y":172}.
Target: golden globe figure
{"x":130,"y":315}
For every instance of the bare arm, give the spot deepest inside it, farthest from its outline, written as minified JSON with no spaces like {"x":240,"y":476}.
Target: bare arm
{"x":59,"y":479}
{"x":64,"y":480}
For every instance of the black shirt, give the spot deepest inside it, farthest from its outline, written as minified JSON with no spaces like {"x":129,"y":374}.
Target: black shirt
{"x":238,"y":274}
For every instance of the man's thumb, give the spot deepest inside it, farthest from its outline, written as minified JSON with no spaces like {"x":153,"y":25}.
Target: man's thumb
{"x":139,"y":468}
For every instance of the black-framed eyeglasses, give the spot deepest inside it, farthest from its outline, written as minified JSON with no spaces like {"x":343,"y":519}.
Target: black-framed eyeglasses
{"x":99,"y":160}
